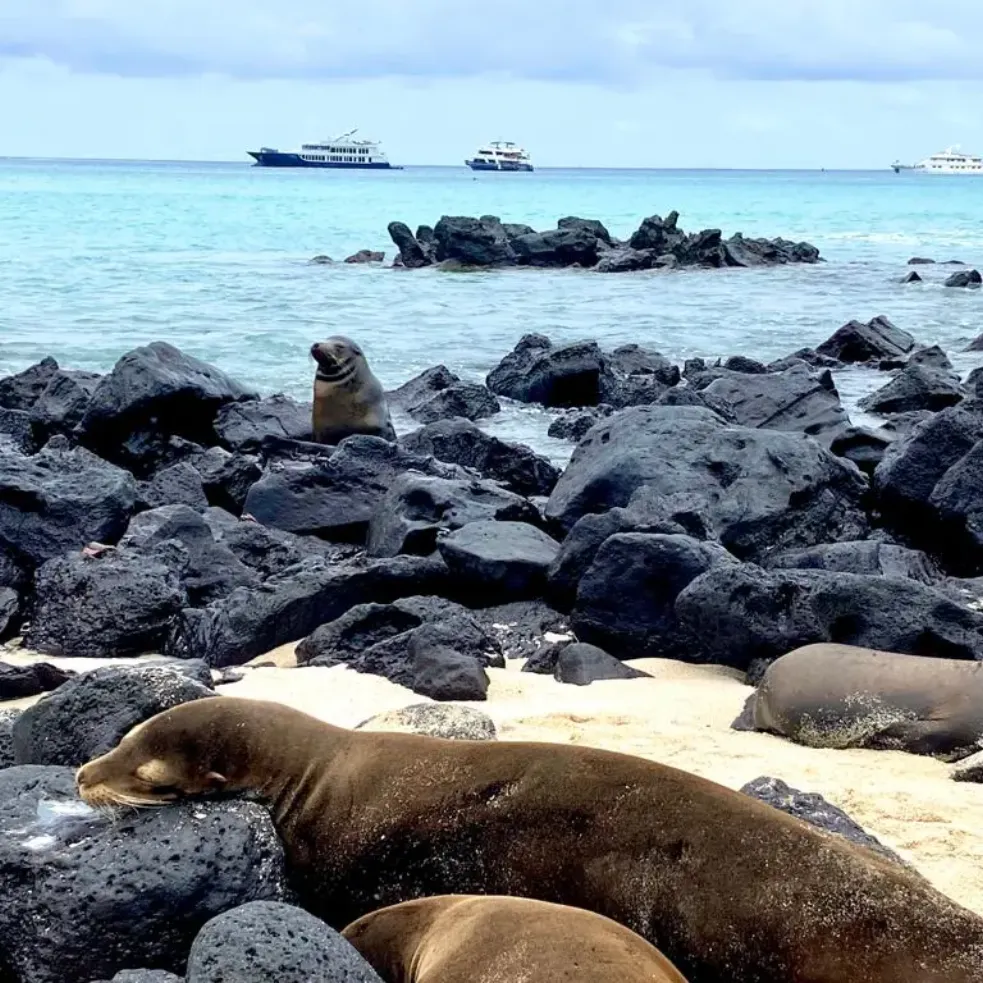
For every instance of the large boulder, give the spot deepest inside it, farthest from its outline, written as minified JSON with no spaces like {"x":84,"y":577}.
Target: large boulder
{"x":226,"y":477}
{"x":89,"y":714}
{"x":60,"y":500}
{"x":179,"y":484}
{"x":461,"y":399}
{"x":112,"y":604}
{"x":736,"y":614}
{"x":472,"y":241}
{"x":23,"y":389}
{"x":243,"y":426}
{"x":86,"y":894}
{"x":153,"y":392}
{"x":626,"y":600}
{"x":515,"y":466}
{"x":380,"y":638}
{"x":797,"y":399}
{"x":290,"y":605}
{"x":537,"y":372}
{"x":422,"y":387}
{"x":18,"y":681}
{"x":412,"y":253}
{"x":571,"y":246}
{"x":916,"y":387}
{"x":208,"y":570}
{"x":265,"y":941}
{"x":965,"y":278}
{"x":418,"y":508}
{"x":753,"y":490}
{"x":581,"y":664}
{"x":871,"y":342}
{"x":458,"y":723}
{"x":499,"y":561}
{"x":591,"y":225}
{"x":63,"y":403}
{"x":862,"y":556}
{"x":957,"y":500}
{"x":335,"y":498}
{"x":440,"y":672}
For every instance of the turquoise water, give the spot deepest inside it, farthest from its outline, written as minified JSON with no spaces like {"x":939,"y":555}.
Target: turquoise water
{"x":97,"y":257}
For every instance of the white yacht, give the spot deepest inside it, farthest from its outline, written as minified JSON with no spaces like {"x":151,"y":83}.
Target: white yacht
{"x":341,"y":152}
{"x":500,"y":155}
{"x":949,"y":161}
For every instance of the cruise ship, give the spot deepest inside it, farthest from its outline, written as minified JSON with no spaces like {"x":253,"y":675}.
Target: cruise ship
{"x":341,"y":152}
{"x":949,"y":161}
{"x":500,"y":155}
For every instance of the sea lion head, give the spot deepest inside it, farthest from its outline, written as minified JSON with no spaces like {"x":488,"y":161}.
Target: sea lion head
{"x":169,"y":757}
{"x":338,"y":358}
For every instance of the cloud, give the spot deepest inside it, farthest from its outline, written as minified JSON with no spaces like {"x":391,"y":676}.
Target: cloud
{"x":617,"y":41}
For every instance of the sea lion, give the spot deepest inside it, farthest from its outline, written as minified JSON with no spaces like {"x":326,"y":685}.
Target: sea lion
{"x":348,"y":398}
{"x":726,"y":886}
{"x":457,"y":938}
{"x":841,"y":696}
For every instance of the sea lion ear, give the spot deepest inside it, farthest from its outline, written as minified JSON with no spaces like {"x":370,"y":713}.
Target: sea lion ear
{"x":214,"y":780}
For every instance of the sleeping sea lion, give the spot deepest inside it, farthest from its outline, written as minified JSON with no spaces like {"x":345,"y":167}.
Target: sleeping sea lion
{"x":727,"y":887}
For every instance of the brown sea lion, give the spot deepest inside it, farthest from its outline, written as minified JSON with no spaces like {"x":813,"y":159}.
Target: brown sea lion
{"x":840,"y":696}
{"x":463,"y":938}
{"x":726,"y":886}
{"x":348,"y":398}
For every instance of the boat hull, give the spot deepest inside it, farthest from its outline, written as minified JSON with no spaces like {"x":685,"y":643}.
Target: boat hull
{"x":266,"y":158}
{"x":485,"y":165}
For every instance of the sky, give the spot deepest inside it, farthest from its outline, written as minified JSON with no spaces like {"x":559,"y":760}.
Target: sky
{"x":599,"y":83}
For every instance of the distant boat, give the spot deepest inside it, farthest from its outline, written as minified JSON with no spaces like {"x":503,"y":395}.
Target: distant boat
{"x":342,"y":152}
{"x":500,"y":155}
{"x":949,"y":161}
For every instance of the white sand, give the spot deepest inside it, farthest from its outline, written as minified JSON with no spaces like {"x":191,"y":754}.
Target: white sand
{"x":681,"y":717}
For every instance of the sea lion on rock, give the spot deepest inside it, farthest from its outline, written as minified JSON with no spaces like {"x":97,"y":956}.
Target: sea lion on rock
{"x":348,"y":398}
{"x":455,"y":938}
{"x":841,"y":696}
{"x":726,"y":886}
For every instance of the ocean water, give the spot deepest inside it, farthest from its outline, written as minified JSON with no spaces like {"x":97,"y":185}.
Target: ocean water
{"x":98,"y":257}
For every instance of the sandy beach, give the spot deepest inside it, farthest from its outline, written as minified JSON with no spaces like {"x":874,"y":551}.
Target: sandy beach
{"x":680,"y":717}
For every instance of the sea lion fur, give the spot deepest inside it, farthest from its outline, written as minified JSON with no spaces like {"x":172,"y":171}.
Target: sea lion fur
{"x":726,"y":886}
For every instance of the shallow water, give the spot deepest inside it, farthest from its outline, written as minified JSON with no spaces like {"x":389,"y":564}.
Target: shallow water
{"x":97,"y":257}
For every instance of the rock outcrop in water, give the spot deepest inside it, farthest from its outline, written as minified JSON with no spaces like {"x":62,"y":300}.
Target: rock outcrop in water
{"x":657,"y":244}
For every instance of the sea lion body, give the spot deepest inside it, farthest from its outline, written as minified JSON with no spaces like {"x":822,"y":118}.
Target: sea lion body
{"x":493,"y":939}
{"x":726,"y":886}
{"x":348,"y":398}
{"x":840,"y":696}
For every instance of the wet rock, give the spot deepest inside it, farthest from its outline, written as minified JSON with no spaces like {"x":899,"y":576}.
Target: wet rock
{"x":460,"y":399}
{"x":442,"y":673}
{"x":412,"y":253}
{"x":321,"y":260}
{"x":290,"y":605}
{"x":581,"y":665}
{"x":916,"y":387}
{"x":758,"y":490}
{"x":957,"y":500}
{"x":156,"y":391}
{"x":574,"y":424}
{"x":366,"y":256}
{"x":537,"y":372}
{"x":862,"y":446}
{"x":976,"y":345}
{"x":22,"y":390}
{"x":114,"y":604}
{"x":965,"y":278}
{"x":658,"y":235}
{"x":911,"y":277}
{"x":931,"y":357}
{"x":180,"y":484}
{"x":735,"y":615}
{"x":626,"y":261}
{"x":418,"y":509}
{"x":685,"y":396}
{"x":243,"y":426}
{"x":741,"y":363}
{"x":590,"y":225}
{"x":435,"y":720}
{"x":472,"y":241}
{"x":335,"y":498}
{"x":59,"y":500}
{"x":63,"y":403}
{"x":862,"y":557}
{"x":499,"y":560}
{"x":226,"y":477}
{"x":379,"y":638}
{"x":572,"y":246}
{"x":920,"y":261}
{"x":814,"y":809}
{"x":870,"y":342}
{"x":90,"y":713}
{"x":264,"y":941}
{"x":524,"y":628}
{"x":422,"y":387}
{"x":797,"y":399}
{"x":515,"y":466}
{"x":105,"y":893}
{"x":16,"y":434}
{"x":17,"y":681}
{"x":629,"y":360}
{"x":625,"y":602}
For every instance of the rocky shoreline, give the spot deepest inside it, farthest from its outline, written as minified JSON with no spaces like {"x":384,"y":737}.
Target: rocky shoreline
{"x":724,"y":513}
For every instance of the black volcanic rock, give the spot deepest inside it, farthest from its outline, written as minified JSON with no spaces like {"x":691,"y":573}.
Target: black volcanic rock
{"x":870,"y":342}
